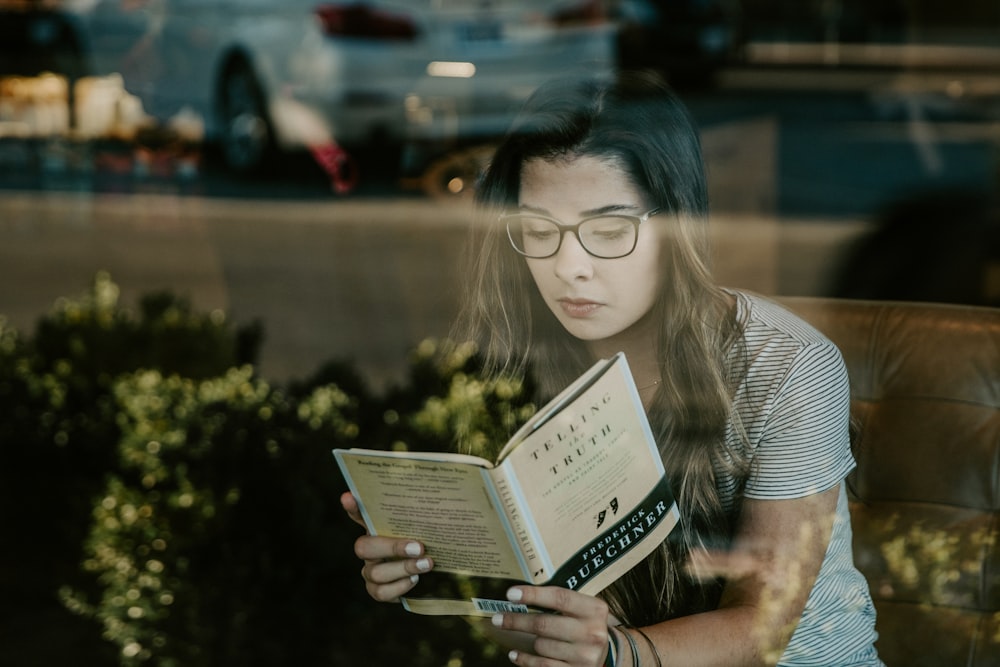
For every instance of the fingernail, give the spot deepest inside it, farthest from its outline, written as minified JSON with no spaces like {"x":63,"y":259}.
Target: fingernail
{"x":412,"y":549}
{"x":414,"y":578}
{"x":497,"y":620}
{"x":423,"y":564}
{"x":514,"y":594}
{"x":512,"y":656}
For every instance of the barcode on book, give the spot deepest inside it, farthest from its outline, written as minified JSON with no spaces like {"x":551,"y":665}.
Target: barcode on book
{"x":494,"y":606}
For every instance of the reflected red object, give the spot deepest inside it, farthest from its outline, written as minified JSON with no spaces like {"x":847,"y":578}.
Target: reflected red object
{"x":587,"y":12}
{"x":338,"y":165}
{"x":360,"y":20}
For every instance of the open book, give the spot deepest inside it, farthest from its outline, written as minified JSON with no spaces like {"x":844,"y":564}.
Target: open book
{"x":576,"y":498}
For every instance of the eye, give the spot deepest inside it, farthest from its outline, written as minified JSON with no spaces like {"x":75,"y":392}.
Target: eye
{"x":609,"y":229}
{"x":538,"y":229}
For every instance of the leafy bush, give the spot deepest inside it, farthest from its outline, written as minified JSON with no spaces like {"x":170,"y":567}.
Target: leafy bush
{"x":212,"y":544}
{"x":59,"y":434}
{"x":447,"y":405}
{"x":204,"y":502}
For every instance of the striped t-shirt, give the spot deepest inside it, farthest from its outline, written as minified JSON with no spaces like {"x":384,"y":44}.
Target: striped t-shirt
{"x":794,"y":404}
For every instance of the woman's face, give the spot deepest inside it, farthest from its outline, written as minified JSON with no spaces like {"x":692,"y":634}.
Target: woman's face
{"x":601,"y":301}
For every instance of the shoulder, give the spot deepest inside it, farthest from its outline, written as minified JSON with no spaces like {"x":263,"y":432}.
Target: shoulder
{"x":779,"y":345}
{"x":766,"y":321}
{"x":792,"y":405}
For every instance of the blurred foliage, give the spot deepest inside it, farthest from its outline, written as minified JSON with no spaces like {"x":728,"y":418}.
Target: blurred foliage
{"x":213,"y":543}
{"x":931,"y":562}
{"x":58,"y":432}
{"x":203,"y":502}
{"x":447,"y":405}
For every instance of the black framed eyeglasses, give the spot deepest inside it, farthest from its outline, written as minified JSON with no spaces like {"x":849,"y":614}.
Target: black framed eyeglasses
{"x":608,"y":236}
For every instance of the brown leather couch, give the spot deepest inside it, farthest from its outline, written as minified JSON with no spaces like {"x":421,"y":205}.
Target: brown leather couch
{"x":925,"y":382}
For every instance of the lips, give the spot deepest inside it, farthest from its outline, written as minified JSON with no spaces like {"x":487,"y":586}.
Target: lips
{"x":578,"y":307}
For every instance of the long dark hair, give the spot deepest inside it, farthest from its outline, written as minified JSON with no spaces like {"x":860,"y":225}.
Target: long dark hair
{"x":638,"y":123}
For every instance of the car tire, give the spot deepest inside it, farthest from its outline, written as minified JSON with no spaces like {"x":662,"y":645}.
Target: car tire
{"x":246,"y":132}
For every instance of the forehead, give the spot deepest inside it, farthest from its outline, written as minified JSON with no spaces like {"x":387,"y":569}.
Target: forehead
{"x":576,"y":184}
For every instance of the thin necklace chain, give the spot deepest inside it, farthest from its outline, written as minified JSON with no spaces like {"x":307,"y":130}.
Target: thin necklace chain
{"x":649,"y":386}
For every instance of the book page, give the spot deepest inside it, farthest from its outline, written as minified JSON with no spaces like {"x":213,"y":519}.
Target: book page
{"x":592,"y":480}
{"x":449,"y":506}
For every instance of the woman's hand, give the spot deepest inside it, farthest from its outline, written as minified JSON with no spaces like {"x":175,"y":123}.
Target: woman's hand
{"x":392,"y":565}
{"x":576,"y":634}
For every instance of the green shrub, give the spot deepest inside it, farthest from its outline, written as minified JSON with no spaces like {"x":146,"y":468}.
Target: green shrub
{"x":214,"y":543}
{"x":59,"y":435}
{"x":202,"y":501}
{"x":446,"y":404}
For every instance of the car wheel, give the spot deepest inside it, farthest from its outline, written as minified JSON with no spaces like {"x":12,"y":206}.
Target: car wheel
{"x":247,"y":136}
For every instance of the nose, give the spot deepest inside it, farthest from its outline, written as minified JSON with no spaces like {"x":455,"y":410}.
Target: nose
{"x":572,"y":262}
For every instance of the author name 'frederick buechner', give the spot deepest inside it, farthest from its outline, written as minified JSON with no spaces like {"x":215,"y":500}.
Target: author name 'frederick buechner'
{"x":616,"y":542}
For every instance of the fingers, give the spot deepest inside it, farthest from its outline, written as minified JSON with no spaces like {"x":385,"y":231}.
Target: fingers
{"x":390,"y":591}
{"x":392,"y":565}
{"x":376,"y":547}
{"x":387,"y":580}
{"x":388,"y":559}
{"x":350,"y":506}
{"x":562,"y":600}
{"x":577,"y":634}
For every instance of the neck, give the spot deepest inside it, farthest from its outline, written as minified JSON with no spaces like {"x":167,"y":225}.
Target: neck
{"x":638,"y":344}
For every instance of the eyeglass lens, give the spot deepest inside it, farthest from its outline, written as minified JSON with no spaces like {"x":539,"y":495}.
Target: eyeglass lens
{"x":607,"y":236}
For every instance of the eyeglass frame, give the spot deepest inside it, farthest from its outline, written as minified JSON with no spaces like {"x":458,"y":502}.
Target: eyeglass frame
{"x":636,"y":220}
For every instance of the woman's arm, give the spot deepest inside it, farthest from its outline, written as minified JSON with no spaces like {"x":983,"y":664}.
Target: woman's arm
{"x":776,"y":556}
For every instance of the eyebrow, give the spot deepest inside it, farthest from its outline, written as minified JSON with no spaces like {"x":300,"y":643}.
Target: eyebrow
{"x":610,"y":208}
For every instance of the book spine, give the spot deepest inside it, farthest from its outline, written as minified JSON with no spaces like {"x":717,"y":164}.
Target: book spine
{"x":507,"y":498}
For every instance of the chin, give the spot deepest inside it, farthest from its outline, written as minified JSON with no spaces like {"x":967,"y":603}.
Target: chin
{"x":584,"y":333}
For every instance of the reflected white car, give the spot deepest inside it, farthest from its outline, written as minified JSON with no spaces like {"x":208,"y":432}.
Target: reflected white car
{"x":284,"y":74}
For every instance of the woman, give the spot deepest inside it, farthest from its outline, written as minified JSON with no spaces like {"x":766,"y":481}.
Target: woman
{"x":597,"y":243}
